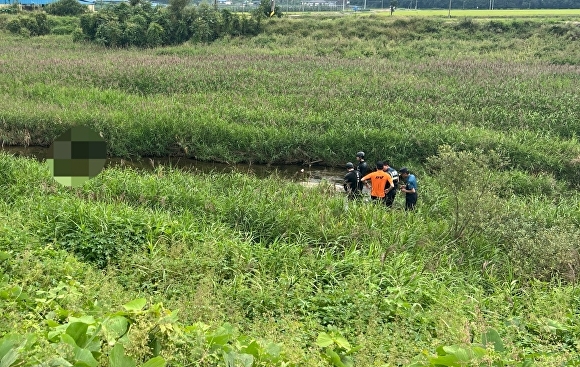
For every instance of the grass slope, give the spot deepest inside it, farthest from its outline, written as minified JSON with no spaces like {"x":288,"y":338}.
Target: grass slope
{"x":282,"y":263}
{"x":314,"y":89}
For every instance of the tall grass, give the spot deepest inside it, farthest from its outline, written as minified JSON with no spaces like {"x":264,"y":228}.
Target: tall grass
{"x":282,"y":261}
{"x":403,"y":87}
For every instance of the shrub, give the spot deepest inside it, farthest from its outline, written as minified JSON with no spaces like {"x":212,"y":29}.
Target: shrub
{"x":12,"y":9}
{"x":545,"y":253}
{"x":63,"y":30}
{"x":14,"y":26}
{"x":154,"y":35}
{"x":36,"y":25}
{"x":467,"y":178}
{"x":66,"y":7}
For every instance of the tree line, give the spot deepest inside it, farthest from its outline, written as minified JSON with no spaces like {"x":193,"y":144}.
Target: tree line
{"x":138,"y":23}
{"x":487,"y":4}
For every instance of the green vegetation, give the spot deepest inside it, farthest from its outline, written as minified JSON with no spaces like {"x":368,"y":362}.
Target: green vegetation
{"x":66,"y":8}
{"x":178,"y":268}
{"x":296,"y":270}
{"x":481,"y":13}
{"x":301,"y":91}
{"x":142,"y":25}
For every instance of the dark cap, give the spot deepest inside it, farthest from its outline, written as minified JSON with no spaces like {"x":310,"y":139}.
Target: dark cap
{"x":404,"y":170}
{"x":349,"y":165}
{"x":360,"y":154}
{"x":380,"y":165}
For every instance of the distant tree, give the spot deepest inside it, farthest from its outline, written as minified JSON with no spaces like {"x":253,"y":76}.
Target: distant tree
{"x":265,"y":9}
{"x":176,"y":7}
{"x":154,"y":35}
{"x":65,"y":8}
{"x":143,"y":25}
{"x":42,"y":26}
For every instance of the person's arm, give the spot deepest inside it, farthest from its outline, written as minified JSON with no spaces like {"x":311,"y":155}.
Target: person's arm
{"x":411,"y":190}
{"x":365,"y":179}
{"x":388,"y":189}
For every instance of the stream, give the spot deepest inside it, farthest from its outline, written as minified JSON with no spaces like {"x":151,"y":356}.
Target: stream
{"x":307,"y":175}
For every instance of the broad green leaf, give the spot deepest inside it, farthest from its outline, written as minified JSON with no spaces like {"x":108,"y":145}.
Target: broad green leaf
{"x":67,"y":339}
{"x":324,"y":340}
{"x":353,"y":350}
{"x":334,"y":358}
{"x":11,"y":292}
{"x":440,"y":351}
{"x":4,"y":255}
{"x":342,"y":342}
{"x":155,"y":346}
{"x":89,"y":320}
{"x":253,"y":349}
{"x":155,"y":362}
{"x":114,"y":328}
{"x":135,"y":305}
{"x":94,"y":344}
{"x":229,"y":359}
{"x":273,"y":351}
{"x":247,"y":360}
{"x":448,"y":360}
{"x":85,"y":356}
{"x":55,"y":332}
{"x":221,"y":336}
{"x":478,"y":351}
{"x":117,"y":357}
{"x":61,"y":362}
{"x":460,"y":352}
{"x":78,"y":331}
{"x":10,"y":357}
{"x":7,"y":343}
{"x":492,"y":337}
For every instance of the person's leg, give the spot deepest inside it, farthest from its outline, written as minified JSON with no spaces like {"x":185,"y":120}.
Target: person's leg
{"x":389,"y":200}
{"x":410,"y":201}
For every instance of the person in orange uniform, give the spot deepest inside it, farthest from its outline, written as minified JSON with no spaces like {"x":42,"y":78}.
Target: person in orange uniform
{"x":381,"y":182}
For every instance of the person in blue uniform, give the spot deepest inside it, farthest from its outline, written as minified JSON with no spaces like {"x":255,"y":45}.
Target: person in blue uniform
{"x":410,"y":188}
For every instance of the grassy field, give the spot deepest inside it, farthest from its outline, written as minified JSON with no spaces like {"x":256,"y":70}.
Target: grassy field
{"x":285,"y":265}
{"x":181,"y":269}
{"x":301,"y":90}
{"x":571,"y":14}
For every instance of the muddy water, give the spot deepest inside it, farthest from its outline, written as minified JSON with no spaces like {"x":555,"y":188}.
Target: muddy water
{"x":309,"y":176}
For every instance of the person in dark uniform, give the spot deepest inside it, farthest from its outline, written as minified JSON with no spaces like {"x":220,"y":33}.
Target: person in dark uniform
{"x":352,"y":183}
{"x":390,"y":198}
{"x":362,"y":166}
{"x":410,"y":188}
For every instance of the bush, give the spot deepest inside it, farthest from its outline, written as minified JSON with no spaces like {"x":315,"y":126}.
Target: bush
{"x":13,"y":9}
{"x":36,"y":25}
{"x":14,"y":26}
{"x":66,"y":7}
{"x":154,"y":35}
{"x":63,"y":30}
{"x":468,"y":180}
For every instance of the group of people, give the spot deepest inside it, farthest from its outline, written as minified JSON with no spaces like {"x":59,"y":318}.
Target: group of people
{"x":383,"y":182}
